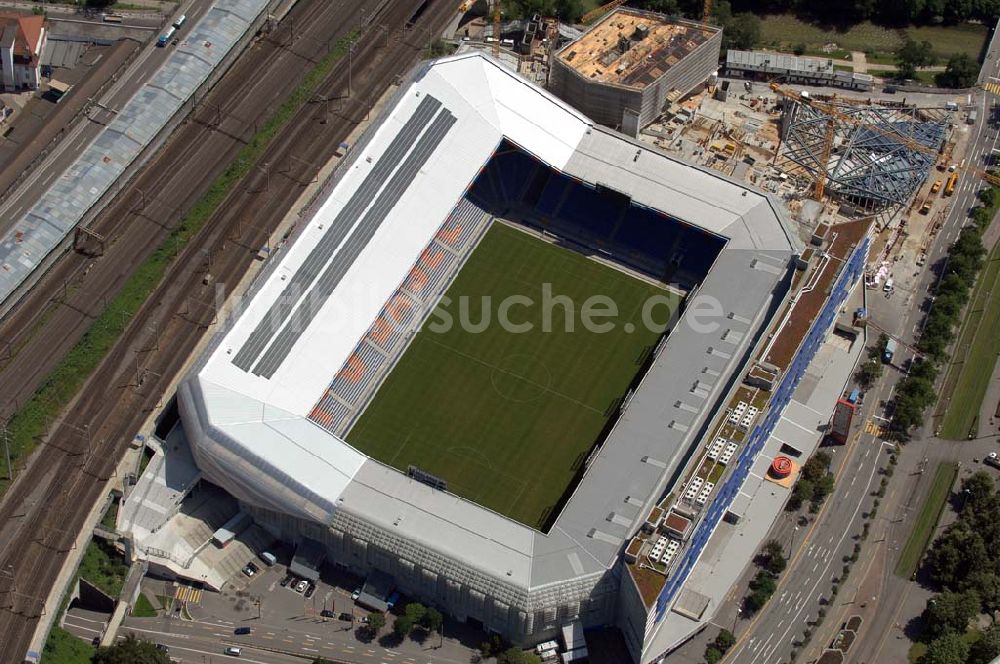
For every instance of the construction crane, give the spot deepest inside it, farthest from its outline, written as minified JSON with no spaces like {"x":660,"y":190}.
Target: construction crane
{"x":833,"y":112}
{"x":595,"y":14}
{"x":496,"y":29}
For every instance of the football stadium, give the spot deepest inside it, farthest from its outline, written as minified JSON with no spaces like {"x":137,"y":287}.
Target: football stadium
{"x":488,"y":351}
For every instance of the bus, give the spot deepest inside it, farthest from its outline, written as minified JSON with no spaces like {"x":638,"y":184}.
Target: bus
{"x":950,"y":187}
{"x":166,"y":37}
{"x":180,"y":21}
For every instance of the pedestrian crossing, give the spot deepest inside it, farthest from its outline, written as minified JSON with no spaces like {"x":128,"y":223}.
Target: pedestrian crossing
{"x":993,"y":88}
{"x":188,"y":594}
{"x":876,"y":430}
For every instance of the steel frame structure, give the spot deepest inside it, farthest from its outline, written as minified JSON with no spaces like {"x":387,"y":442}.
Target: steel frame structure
{"x":863,"y":167}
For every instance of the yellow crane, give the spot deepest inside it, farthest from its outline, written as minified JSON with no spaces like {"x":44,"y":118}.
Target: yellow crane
{"x":595,"y":14}
{"x":496,"y":29}
{"x":833,"y":112}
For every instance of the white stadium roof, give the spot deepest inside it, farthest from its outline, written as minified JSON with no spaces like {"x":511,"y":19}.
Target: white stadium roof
{"x":246,"y":404}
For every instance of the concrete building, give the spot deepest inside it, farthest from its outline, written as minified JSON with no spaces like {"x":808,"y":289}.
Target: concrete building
{"x":623,"y":70}
{"x":768,"y":65}
{"x":22,"y":39}
{"x":268,"y":406}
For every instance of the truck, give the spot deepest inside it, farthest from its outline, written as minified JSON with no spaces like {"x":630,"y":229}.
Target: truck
{"x":950,"y":187}
{"x":971,"y":119}
{"x":951,"y":106}
{"x":165,"y":38}
{"x":890,"y":350}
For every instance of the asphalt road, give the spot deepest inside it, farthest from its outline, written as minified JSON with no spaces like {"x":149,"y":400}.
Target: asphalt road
{"x":19,"y":200}
{"x":46,"y":507}
{"x":818,"y":548}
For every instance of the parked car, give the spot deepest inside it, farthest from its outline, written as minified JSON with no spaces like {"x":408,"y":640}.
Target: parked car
{"x":301,"y":586}
{"x":391,"y":602}
{"x":310,"y":589}
{"x":249,"y":571}
{"x":327,"y":613}
{"x":347,"y":617}
{"x":356,"y":594}
{"x":285,"y":581}
{"x":992,"y":460}
{"x":241,"y":630}
{"x":253,"y":567}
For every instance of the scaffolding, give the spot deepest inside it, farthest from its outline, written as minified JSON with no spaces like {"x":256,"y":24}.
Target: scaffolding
{"x":861,"y":163}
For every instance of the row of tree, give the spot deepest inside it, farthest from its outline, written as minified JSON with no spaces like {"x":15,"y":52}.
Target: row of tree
{"x":717,"y":649}
{"x":916,"y":392}
{"x":965,"y":562}
{"x":885,"y":12}
{"x":815,"y":483}
{"x":770,"y":563}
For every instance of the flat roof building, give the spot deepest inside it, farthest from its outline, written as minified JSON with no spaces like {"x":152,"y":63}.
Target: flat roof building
{"x":794,"y":69}
{"x":624,"y":69}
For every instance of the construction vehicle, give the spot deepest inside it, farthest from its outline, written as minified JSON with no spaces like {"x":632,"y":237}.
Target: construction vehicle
{"x":936,"y":187}
{"x":950,"y":187}
{"x":925,"y":208}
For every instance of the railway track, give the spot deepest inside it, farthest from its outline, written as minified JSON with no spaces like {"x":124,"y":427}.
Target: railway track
{"x":53,"y":316}
{"x":44,"y":511}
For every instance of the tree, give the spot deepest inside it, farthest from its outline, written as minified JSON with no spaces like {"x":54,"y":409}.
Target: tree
{"x":321,"y":660}
{"x":960,"y":72}
{"x":415,"y":611}
{"x":517,"y":656}
{"x":712,"y":655}
{"x":432,"y":620}
{"x":987,"y":648}
{"x":742,"y":31}
{"x":402,"y":627}
{"x":725,"y":640}
{"x":950,"y":612}
{"x":948,"y":649}
{"x":912,"y":55}
{"x":130,"y":650}
{"x":376,"y":621}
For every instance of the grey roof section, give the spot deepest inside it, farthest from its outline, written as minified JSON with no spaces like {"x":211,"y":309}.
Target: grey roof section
{"x":65,"y":202}
{"x":363,"y":233}
{"x":341,"y":226}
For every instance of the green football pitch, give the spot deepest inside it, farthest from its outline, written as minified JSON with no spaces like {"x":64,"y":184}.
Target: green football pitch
{"x":506,"y":417}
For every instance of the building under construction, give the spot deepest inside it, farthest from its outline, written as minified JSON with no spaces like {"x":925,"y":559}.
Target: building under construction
{"x":869,"y":156}
{"x":624,"y":69}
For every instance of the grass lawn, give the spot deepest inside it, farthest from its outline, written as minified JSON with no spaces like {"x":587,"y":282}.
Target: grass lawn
{"x":919,"y":649}
{"x":784,"y":31}
{"x":505,"y":417}
{"x":975,"y":354}
{"x":143,"y":608}
{"x":104,"y":567}
{"x":63,"y":648}
{"x":110,"y":516}
{"x":930,"y":512}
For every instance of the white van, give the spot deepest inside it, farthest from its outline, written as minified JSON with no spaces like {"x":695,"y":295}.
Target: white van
{"x":232,"y":651}
{"x":887,"y":286}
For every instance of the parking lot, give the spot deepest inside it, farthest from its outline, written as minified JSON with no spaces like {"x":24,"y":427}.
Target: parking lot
{"x":271,"y":613}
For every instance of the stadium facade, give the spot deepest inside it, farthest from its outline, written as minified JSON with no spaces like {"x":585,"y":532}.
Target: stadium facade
{"x":267,"y":405}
